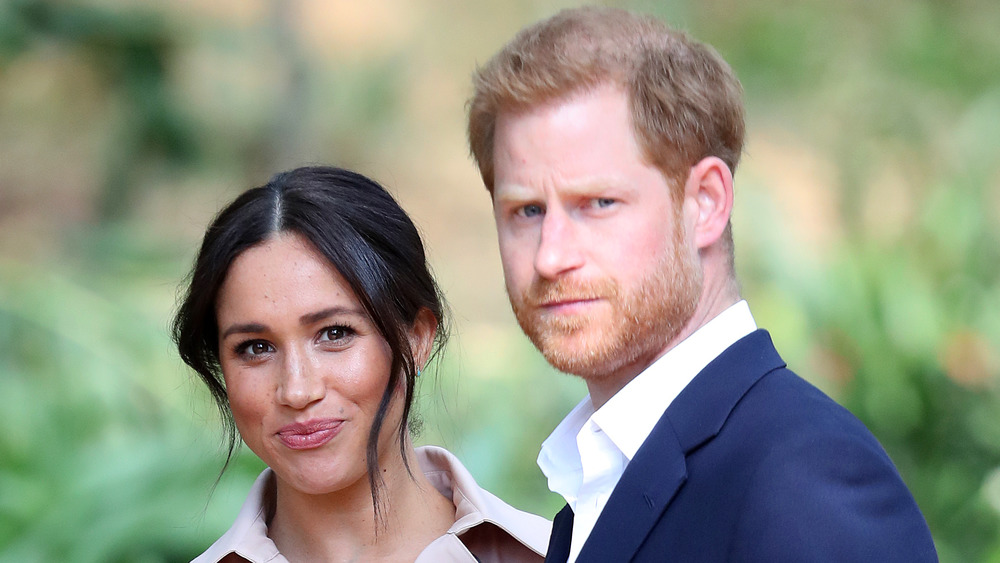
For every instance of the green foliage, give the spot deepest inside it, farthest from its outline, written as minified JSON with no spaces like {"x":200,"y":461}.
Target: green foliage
{"x":97,"y":462}
{"x":920,"y":370}
{"x":898,"y":320}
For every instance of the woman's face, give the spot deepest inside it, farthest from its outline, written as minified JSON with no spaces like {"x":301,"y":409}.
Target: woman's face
{"x":304,"y":366}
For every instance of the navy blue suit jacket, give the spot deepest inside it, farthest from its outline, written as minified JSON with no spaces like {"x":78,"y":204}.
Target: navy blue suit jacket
{"x":752,"y":463}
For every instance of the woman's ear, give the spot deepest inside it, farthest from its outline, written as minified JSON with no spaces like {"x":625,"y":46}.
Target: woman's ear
{"x":422,"y":337}
{"x":708,"y":200}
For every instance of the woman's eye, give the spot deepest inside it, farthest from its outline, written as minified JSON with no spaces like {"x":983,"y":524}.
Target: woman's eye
{"x":254,"y":348}
{"x":335,"y":333}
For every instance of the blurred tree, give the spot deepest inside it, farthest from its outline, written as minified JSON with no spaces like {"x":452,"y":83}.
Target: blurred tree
{"x":131,"y":50}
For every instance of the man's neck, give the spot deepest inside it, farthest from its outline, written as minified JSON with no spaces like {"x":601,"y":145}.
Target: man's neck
{"x":715,"y":299}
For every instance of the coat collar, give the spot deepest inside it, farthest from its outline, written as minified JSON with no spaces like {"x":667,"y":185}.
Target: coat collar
{"x":474,"y":507}
{"x":659,"y":468}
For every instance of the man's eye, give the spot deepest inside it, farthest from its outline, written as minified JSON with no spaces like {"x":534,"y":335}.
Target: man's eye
{"x":531,"y":210}
{"x":602,"y":202}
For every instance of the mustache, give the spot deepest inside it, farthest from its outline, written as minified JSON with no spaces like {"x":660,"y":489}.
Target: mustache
{"x":543,"y":291}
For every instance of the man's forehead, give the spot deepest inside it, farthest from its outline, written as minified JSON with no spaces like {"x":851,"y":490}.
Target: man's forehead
{"x":558,"y":100}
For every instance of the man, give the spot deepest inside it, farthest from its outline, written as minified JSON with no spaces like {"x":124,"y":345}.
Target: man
{"x":608,"y":142}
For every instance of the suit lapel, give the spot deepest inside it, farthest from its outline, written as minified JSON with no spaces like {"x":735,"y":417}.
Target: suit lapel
{"x":644,"y":491}
{"x":562,"y":535}
{"x":659,"y":468}
{"x":700,"y":411}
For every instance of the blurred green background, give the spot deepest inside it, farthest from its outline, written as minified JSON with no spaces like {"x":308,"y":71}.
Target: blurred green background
{"x":866,"y":229}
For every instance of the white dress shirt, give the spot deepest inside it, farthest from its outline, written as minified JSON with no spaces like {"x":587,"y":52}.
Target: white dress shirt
{"x":587,"y":453}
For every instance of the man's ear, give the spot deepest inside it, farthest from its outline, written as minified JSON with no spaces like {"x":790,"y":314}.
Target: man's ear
{"x":422,"y":337}
{"x":708,"y":200}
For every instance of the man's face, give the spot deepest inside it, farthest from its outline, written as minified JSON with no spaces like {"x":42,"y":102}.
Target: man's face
{"x":599,"y":270}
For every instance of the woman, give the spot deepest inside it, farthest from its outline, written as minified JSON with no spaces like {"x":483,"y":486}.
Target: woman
{"x":310,"y":313}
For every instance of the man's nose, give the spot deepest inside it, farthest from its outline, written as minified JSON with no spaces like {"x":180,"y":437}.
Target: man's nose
{"x":301,"y":383}
{"x":559,"y":248}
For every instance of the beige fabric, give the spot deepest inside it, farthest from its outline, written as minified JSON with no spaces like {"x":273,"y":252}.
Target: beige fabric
{"x":484,"y":525}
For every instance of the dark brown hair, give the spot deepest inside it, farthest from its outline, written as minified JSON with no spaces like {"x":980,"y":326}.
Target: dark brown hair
{"x":363,"y":233}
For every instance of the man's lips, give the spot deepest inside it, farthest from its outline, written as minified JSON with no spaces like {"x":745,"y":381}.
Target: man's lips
{"x":567,"y":304}
{"x":310,"y":434}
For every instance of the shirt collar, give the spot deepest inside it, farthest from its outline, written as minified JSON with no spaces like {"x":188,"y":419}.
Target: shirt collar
{"x":473,"y":506}
{"x":248,"y":535}
{"x":630,"y":415}
{"x":559,"y":458}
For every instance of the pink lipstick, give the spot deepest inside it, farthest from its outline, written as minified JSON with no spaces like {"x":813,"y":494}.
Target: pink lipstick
{"x":310,"y":434}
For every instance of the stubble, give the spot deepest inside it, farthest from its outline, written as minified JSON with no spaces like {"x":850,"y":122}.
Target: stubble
{"x":641,"y":321}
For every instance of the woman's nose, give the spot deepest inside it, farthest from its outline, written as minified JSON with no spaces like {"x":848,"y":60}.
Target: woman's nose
{"x":301,"y":384}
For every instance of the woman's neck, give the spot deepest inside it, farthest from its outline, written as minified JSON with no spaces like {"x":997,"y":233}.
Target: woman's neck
{"x":341,"y":526}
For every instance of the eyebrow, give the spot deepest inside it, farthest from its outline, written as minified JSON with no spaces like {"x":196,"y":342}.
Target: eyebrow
{"x":307,"y":319}
{"x":310,"y":318}
{"x":518,"y":193}
{"x":248,"y":328}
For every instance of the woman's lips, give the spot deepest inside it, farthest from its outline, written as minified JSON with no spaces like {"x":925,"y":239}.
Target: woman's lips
{"x":310,"y":434}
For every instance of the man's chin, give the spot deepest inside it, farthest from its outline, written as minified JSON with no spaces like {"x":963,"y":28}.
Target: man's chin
{"x":582,"y":359}
{"x":591,"y":347}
